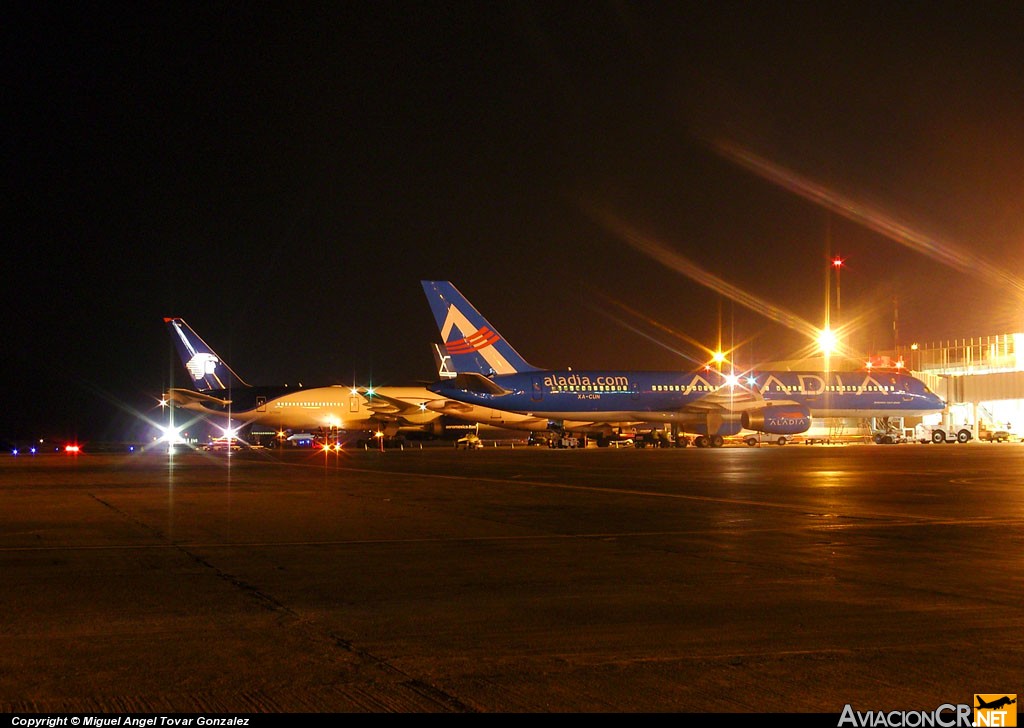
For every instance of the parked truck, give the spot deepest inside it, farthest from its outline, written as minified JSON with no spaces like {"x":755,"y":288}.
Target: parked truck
{"x":993,"y":433}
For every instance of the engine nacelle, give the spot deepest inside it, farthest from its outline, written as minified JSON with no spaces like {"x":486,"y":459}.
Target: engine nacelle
{"x":778,"y":420}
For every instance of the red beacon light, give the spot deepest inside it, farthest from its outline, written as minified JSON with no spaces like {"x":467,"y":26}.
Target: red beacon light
{"x":72,"y":449}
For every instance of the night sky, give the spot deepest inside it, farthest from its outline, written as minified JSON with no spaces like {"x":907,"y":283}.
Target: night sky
{"x":283,"y":179}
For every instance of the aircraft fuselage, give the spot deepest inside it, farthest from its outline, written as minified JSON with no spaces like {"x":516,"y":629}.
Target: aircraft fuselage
{"x":668,"y":396}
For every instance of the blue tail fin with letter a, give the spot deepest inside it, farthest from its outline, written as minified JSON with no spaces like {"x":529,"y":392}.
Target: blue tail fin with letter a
{"x":473,"y":344}
{"x":206,"y":370}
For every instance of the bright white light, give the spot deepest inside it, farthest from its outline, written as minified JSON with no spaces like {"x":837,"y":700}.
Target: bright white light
{"x":731,"y":380}
{"x":827,"y":340}
{"x":171,"y":435}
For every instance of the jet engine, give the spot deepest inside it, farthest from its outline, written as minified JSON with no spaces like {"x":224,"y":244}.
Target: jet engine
{"x":778,"y":419}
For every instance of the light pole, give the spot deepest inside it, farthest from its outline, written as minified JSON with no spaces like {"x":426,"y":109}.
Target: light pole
{"x":837,"y":263}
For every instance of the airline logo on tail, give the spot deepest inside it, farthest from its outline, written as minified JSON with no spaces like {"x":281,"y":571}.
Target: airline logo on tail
{"x":207,"y":370}
{"x":474,"y":340}
{"x":200,"y":365}
{"x":479,"y":339}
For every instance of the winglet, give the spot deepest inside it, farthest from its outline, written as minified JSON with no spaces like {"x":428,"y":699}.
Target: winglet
{"x":472,"y":343}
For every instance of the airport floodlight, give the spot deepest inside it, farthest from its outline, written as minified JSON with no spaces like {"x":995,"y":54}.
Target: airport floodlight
{"x":827,"y":340}
{"x":171,"y":435}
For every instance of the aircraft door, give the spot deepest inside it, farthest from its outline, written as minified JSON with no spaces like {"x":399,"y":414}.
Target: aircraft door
{"x":537,"y":389}
{"x":261,"y":404}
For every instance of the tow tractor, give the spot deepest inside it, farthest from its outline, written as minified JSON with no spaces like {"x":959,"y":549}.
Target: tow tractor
{"x":944,"y":433}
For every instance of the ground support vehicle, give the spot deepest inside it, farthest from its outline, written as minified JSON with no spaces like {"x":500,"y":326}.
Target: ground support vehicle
{"x":469,"y":442}
{"x":939,"y":434}
{"x":986,"y":434}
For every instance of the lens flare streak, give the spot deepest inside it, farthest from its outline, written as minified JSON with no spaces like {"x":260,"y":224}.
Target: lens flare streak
{"x":939,"y":250}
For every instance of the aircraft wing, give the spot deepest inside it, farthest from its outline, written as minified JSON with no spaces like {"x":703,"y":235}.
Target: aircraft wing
{"x":385,"y":406}
{"x":475,"y":382}
{"x":182,"y":397}
{"x":737,"y":400}
{"x":449,"y":407}
{"x":734,"y":400}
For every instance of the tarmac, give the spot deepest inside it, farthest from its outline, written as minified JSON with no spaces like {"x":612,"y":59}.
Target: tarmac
{"x":795,"y":579}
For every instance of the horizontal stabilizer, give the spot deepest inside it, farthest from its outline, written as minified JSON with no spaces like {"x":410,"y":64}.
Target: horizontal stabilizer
{"x":189,"y":396}
{"x":473,"y":382}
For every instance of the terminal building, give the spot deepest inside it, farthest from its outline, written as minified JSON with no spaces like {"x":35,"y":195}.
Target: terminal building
{"x":981,"y":379}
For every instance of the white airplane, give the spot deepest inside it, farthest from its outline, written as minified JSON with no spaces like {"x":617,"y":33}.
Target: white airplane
{"x":218,"y":393}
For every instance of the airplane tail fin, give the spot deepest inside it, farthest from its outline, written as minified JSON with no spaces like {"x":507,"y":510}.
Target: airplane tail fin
{"x":443,"y":362}
{"x":473,"y":345}
{"x":206,"y":370}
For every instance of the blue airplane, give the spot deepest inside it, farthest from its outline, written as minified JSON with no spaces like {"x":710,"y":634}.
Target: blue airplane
{"x":490,"y":373}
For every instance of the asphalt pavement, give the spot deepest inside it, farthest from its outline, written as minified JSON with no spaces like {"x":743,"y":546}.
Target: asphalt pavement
{"x":527,"y":580}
